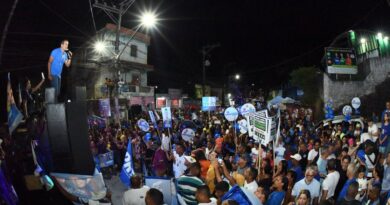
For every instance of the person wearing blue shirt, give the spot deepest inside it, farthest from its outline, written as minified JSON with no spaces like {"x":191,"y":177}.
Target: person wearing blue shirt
{"x":58,"y":57}
{"x":296,"y":158}
{"x":383,"y":139}
{"x":351,"y":172}
{"x":277,"y":196}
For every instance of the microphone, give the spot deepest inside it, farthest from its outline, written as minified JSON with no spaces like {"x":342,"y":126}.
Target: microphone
{"x":68,"y":54}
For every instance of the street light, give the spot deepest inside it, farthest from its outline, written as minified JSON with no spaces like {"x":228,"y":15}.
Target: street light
{"x":100,"y":46}
{"x":379,"y":36}
{"x":148,"y":19}
{"x":237,"y":77}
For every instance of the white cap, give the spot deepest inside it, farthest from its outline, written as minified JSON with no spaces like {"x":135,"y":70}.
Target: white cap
{"x":296,"y":157}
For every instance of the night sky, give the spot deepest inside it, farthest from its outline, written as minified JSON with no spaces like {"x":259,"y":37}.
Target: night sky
{"x":261,"y":40}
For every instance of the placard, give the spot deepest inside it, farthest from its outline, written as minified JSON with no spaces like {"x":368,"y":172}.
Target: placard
{"x":143,"y":125}
{"x":104,"y":108}
{"x":167,"y":117}
{"x":209,"y":103}
{"x":231,"y":114}
{"x":188,"y":134}
{"x":247,"y":108}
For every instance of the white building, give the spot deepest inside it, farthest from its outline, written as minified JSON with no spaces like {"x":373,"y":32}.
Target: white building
{"x":127,"y":74}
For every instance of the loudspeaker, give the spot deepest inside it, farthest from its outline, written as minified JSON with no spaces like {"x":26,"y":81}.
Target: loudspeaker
{"x":76,"y":114}
{"x":80,"y":93}
{"x":57,"y":128}
{"x":68,"y":138}
{"x":50,"y":95}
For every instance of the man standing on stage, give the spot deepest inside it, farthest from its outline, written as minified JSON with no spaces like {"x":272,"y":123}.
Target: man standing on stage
{"x":57,"y":59}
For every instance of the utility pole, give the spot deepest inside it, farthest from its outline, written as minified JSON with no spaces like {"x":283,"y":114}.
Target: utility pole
{"x":206,"y":50}
{"x":111,"y":11}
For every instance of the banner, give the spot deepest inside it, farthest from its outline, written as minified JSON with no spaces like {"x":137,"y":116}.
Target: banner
{"x":165,"y":185}
{"x":231,"y":114}
{"x":188,"y":134}
{"x":247,"y":108}
{"x":161,"y":102}
{"x":143,"y":125}
{"x":341,"y":61}
{"x":15,"y":117}
{"x":127,"y":168}
{"x":84,"y":187}
{"x":167,"y":117}
{"x":152,"y":118}
{"x":209,"y":103}
{"x":106,"y":159}
{"x":262,"y":127}
{"x":105,"y":108}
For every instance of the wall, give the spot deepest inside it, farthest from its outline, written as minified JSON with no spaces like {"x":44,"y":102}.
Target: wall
{"x":142,"y":49}
{"x":342,"y":92}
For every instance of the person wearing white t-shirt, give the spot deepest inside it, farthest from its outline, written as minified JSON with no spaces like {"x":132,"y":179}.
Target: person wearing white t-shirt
{"x":331,"y":180}
{"x":373,"y":130}
{"x":136,"y":194}
{"x":179,"y":166}
{"x":308,"y":183}
{"x":203,"y":196}
{"x":314,"y":152}
{"x":250,"y":183}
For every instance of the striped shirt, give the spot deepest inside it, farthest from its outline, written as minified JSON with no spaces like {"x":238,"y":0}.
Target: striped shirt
{"x":187,"y":186}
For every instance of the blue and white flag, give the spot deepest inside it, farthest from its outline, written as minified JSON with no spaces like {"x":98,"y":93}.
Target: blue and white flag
{"x":14,"y":115}
{"x":127,"y":168}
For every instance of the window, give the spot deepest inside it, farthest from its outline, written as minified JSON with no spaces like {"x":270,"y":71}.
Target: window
{"x":133,"y":50}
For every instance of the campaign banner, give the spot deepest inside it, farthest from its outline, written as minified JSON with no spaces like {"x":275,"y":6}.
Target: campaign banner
{"x":187,"y":134}
{"x":341,"y":61}
{"x":106,"y":159}
{"x":165,"y":186}
{"x":161,"y":102}
{"x":209,"y":103}
{"x":247,"y":108}
{"x":262,"y":127}
{"x":243,"y":125}
{"x":83,"y":186}
{"x":104,"y":108}
{"x":152,"y":118}
{"x":167,"y":117}
{"x":231,"y":114}
{"x":143,"y":125}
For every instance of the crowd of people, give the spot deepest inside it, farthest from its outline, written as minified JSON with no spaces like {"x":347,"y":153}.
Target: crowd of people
{"x":340,"y":163}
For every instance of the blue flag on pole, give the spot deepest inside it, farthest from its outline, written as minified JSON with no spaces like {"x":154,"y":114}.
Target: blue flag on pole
{"x":14,"y":115}
{"x":127,"y":168}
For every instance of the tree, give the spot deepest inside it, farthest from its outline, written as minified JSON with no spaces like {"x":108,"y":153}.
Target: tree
{"x":306,"y":78}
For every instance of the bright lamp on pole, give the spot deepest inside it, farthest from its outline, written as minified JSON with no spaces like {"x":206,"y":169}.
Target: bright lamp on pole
{"x":100,"y":46}
{"x":148,"y":19}
{"x":237,"y":77}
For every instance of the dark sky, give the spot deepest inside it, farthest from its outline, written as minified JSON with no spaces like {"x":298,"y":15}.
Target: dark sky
{"x":261,"y":40}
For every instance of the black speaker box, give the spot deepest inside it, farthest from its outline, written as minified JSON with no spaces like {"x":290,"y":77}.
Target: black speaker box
{"x":76,"y":113}
{"x":58,"y":137}
{"x":80,"y":93}
{"x":68,"y":138}
{"x":50,"y":95}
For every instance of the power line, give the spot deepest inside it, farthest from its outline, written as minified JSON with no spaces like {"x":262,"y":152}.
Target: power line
{"x":61,"y":17}
{"x":93,"y":18}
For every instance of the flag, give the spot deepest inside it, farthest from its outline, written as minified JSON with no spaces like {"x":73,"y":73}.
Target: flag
{"x":127,"y":168}
{"x":14,"y":115}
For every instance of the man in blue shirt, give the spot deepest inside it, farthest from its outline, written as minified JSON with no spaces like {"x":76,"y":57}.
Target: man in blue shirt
{"x":58,"y":57}
{"x":351,"y":172}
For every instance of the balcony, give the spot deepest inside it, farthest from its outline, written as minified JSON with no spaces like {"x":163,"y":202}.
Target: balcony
{"x":126,"y":91}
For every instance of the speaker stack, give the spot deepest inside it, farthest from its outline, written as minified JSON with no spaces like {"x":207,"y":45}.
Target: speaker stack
{"x":67,"y":127}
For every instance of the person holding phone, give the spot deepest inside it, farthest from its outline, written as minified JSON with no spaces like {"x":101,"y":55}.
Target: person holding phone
{"x":58,"y":57}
